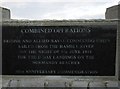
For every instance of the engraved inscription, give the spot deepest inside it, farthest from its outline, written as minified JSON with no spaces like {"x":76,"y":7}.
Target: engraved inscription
{"x":59,"y":50}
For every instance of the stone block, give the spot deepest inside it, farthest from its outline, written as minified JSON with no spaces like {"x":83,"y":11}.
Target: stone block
{"x":5,"y":14}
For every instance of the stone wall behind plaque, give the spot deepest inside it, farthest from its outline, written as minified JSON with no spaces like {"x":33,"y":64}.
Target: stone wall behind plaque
{"x":5,"y":13}
{"x":112,"y":12}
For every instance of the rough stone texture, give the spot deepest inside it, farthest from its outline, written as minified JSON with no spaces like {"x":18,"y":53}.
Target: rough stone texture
{"x":4,"y":13}
{"x":80,"y":84}
{"x":38,"y":81}
{"x":118,"y":47}
{"x":0,"y":81}
{"x":104,"y":84}
{"x":119,"y":39}
{"x":58,"y":22}
{"x":112,"y":12}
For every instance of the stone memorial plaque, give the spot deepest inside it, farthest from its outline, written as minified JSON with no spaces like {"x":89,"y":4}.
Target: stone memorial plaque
{"x":59,"y":50}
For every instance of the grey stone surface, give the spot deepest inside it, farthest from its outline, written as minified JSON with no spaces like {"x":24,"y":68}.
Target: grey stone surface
{"x":58,"y":22}
{"x":104,"y":84}
{"x":0,"y":81}
{"x":56,"y":83}
{"x":119,"y":39}
{"x":80,"y":84}
{"x":4,"y":14}
{"x":21,"y":81}
{"x":111,"y":84}
{"x":118,"y":50}
{"x":112,"y":12}
{"x":95,"y":84}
